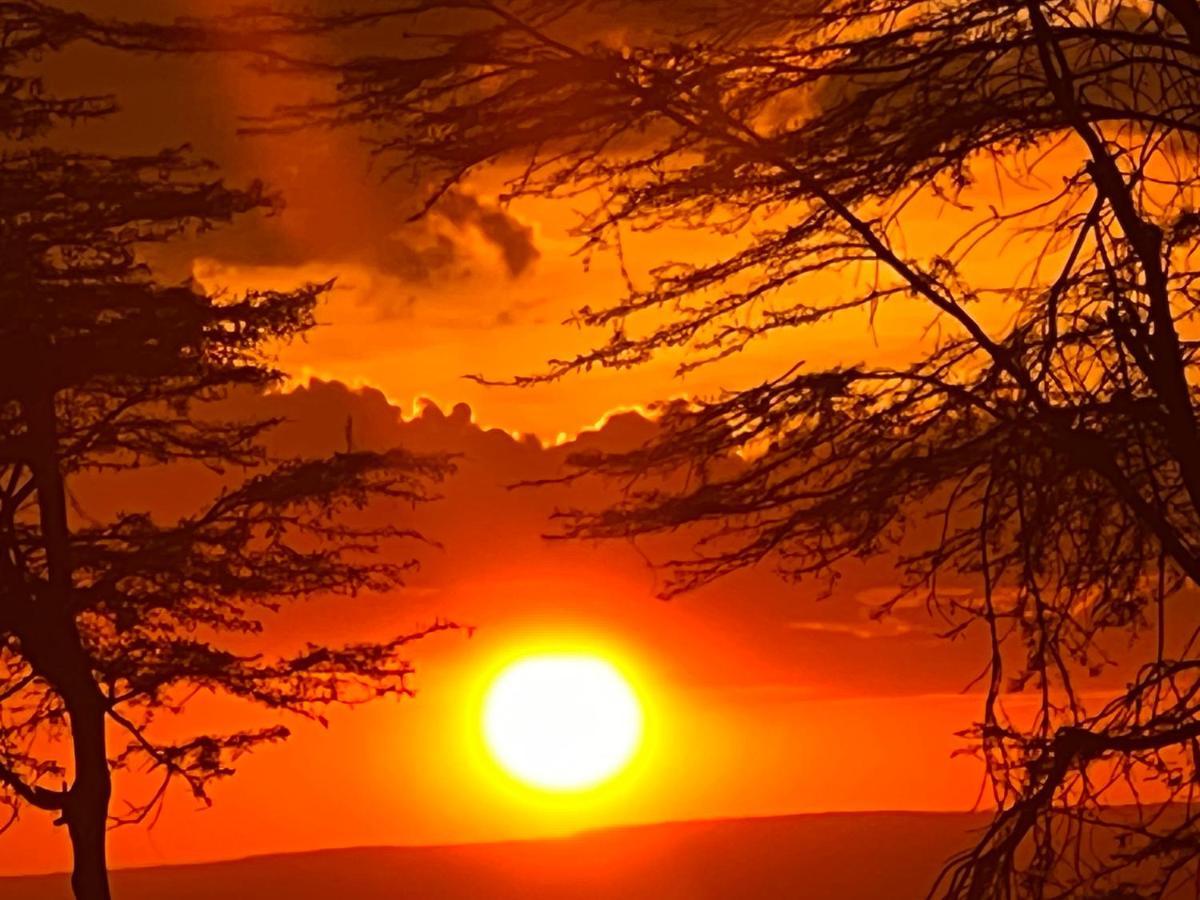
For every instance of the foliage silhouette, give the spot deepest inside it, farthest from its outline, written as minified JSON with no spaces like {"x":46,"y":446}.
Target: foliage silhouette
{"x":1048,"y":421}
{"x":106,"y":627}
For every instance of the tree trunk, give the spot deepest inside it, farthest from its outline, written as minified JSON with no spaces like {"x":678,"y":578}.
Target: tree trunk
{"x":87,"y":805}
{"x":66,"y":663}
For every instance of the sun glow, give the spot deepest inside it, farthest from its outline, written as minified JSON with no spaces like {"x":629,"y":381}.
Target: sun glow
{"x":561,"y":722}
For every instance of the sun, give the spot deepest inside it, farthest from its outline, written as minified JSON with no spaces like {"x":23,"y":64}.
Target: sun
{"x":561,"y":722}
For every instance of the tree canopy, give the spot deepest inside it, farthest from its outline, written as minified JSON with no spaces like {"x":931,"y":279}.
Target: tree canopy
{"x":109,"y":626}
{"x":1047,"y":424}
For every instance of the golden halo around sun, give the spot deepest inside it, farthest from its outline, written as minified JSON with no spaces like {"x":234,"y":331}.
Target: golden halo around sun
{"x":561,"y":721}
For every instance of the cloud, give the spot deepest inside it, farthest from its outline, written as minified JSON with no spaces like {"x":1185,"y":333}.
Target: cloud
{"x":886,"y":627}
{"x":340,"y":210}
{"x":338,"y":219}
{"x":511,"y":237}
{"x":519,"y":312}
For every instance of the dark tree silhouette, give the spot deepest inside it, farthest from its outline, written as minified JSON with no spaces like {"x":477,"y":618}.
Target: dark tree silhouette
{"x":104,"y":369}
{"x":1048,"y":422}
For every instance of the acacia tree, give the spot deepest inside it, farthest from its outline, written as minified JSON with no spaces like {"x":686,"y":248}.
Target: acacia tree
{"x":1049,"y":420}
{"x":104,"y":369}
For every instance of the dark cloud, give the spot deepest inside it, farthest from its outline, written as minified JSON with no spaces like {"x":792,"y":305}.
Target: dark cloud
{"x":520,"y":311}
{"x":365,"y":222}
{"x":338,"y":207}
{"x":511,"y":237}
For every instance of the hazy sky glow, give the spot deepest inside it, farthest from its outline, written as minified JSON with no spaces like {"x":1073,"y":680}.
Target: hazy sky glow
{"x":753,"y":690}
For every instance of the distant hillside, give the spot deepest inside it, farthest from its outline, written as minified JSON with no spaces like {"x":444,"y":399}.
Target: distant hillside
{"x":845,"y":856}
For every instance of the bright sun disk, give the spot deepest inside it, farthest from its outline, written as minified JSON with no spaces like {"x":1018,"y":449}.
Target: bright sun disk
{"x":561,"y":722}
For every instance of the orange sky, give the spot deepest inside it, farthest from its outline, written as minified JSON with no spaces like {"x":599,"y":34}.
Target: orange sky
{"x":760,"y":699}
{"x":764,"y":700}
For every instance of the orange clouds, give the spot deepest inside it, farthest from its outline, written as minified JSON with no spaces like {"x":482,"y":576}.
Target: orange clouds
{"x":473,"y":288}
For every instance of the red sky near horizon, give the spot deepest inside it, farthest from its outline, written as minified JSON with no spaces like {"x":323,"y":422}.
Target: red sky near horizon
{"x":763,"y":698}
{"x":760,"y":698}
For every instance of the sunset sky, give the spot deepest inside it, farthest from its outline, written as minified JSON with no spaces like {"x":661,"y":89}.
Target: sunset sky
{"x":759,"y":696}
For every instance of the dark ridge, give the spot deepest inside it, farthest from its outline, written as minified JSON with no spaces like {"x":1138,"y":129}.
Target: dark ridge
{"x":839,"y":856}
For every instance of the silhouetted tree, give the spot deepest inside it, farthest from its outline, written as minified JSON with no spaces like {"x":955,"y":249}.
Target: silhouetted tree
{"x":1048,"y":421}
{"x":103,"y":369}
